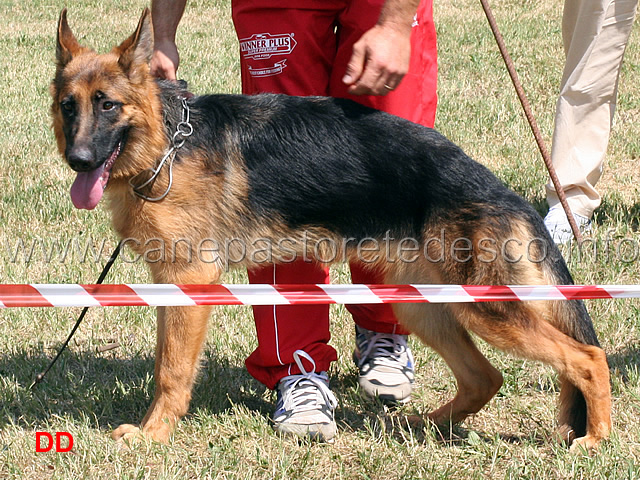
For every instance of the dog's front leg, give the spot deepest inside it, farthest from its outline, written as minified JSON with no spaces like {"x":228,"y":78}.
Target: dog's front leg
{"x":181,"y":333}
{"x":180,"y":336}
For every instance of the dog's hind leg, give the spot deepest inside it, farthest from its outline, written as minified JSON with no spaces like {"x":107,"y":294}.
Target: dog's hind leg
{"x":523,"y":330}
{"x":180,"y":336}
{"x":571,"y":317}
{"x":477,"y":380}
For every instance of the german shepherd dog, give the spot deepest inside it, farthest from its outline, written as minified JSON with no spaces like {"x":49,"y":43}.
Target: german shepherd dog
{"x":272,"y":167}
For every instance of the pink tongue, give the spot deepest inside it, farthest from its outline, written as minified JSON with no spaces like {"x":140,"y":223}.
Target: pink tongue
{"x":87,"y":189}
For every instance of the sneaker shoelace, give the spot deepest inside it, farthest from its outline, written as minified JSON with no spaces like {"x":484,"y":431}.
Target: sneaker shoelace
{"x":384,"y":349}
{"x":299,"y":392}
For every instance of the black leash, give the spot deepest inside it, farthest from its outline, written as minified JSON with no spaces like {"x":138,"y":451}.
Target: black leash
{"x":101,"y":278}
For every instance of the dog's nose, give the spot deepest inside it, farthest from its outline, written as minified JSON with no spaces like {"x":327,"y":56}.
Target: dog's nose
{"x":81,"y":159}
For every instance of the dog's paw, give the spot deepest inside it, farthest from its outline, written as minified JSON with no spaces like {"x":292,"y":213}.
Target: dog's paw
{"x":416,"y":422}
{"x":131,"y":434}
{"x":586,"y":444}
{"x":127,"y":434}
{"x":440,"y":419}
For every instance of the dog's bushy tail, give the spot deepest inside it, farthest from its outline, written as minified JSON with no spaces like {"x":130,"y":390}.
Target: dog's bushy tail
{"x":571,"y":318}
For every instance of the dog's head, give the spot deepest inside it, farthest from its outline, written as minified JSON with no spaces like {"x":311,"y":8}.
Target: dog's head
{"x":101,"y":103}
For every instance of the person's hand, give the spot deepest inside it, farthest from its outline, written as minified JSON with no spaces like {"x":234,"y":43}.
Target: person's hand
{"x":165,"y":60}
{"x":379,"y":61}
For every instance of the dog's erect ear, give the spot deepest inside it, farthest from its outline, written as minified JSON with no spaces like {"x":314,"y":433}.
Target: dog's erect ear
{"x":136,"y":50}
{"x":67,"y":46}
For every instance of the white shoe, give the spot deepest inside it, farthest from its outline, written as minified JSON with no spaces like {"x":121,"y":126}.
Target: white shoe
{"x":558,"y":225}
{"x":386,"y":365}
{"x":305,"y":404}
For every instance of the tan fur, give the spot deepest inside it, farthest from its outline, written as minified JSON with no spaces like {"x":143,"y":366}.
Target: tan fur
{"x":167,"y":234}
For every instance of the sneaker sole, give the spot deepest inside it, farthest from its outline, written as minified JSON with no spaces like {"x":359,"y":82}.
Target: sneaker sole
{"x":370,"y":391}
{"x":324,"y":433}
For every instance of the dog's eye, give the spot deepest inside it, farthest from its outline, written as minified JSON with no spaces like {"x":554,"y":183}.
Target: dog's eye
{"x":67,"y":106}
{"x":107,"y":105}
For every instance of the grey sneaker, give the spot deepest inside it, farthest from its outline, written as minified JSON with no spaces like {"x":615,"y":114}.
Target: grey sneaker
{"x":386,"y":365}
{"x":305,"y":405}
{"x":558,"y":225}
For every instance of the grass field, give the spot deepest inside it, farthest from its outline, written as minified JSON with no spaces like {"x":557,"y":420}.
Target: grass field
{"x":227,"y":432}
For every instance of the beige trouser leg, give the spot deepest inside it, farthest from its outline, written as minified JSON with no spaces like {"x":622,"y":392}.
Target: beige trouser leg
{"x":595,"y":34}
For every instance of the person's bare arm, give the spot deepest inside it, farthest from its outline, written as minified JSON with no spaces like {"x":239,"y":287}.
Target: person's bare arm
{"x":380,"y":58}
{"x":165,"y":15}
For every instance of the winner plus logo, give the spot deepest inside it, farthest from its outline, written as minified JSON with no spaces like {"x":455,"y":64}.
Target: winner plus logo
{"x":264,"y":45}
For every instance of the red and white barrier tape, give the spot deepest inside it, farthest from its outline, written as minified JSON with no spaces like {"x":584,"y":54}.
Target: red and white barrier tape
{"x":75,"y":295}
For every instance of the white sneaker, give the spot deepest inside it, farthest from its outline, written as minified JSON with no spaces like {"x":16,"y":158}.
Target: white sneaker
{"x":305,"y":404}
{"x":386,"y":365}
{"x":558,"y":225}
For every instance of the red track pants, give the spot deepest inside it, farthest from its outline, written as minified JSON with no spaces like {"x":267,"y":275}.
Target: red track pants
{"x":302,"y":48}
